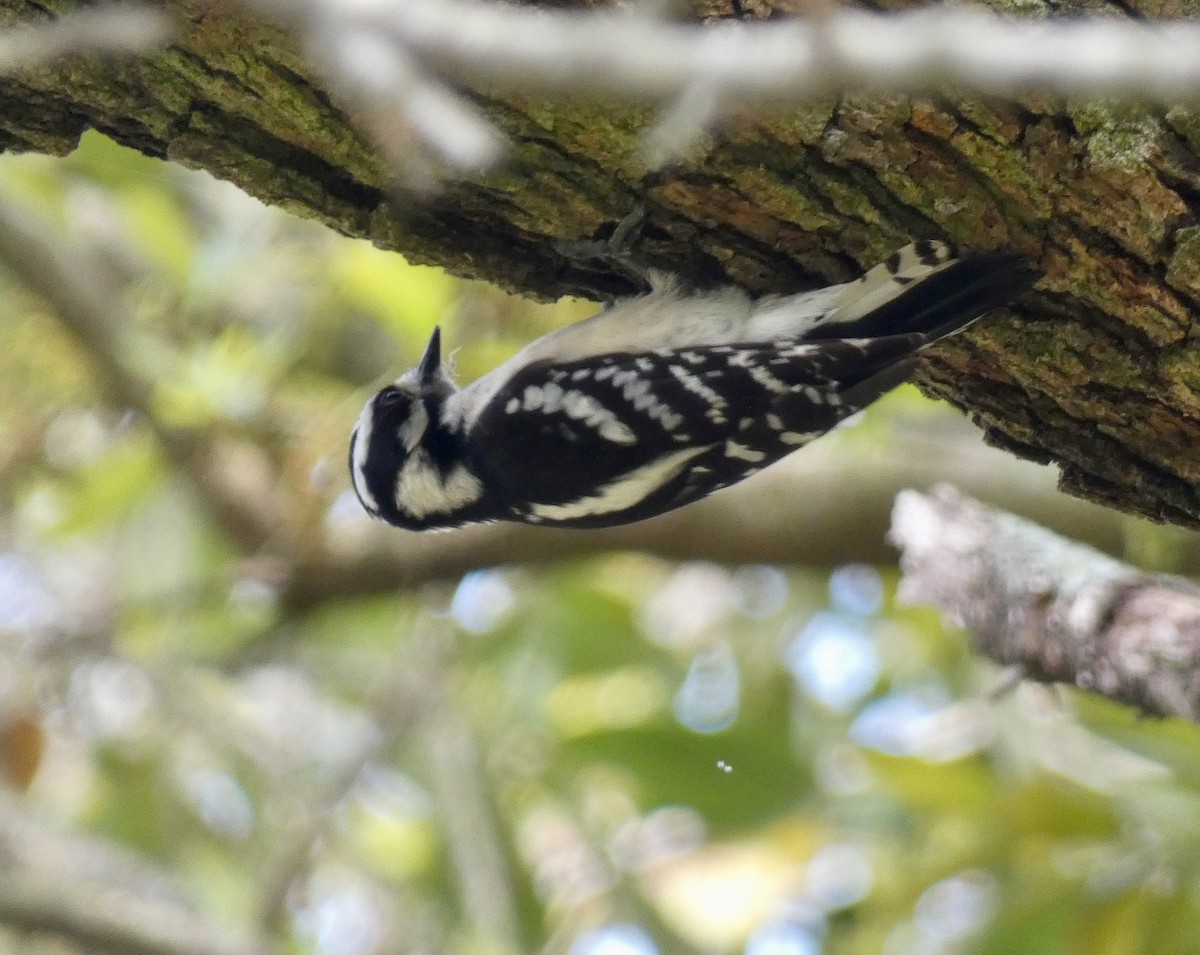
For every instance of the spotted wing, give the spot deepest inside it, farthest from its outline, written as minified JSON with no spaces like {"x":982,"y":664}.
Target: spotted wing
{"x":619,"y":437}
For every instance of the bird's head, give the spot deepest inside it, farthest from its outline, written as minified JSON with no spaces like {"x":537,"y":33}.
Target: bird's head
{"x":392,"y":426}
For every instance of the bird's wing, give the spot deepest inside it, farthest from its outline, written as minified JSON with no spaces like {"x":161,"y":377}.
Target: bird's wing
{"x":631,"y":428}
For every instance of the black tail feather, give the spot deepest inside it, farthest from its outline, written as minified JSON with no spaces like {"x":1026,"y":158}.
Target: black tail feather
{"x":944,"y":302}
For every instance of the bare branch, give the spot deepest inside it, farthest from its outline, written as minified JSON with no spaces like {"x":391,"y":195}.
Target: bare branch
{"x":408,"y":113}
{"x":826,"y":506}
{"x":461,"y":787}
{"x":376,"y":50}
{"x":912,"y":51}
{"x":104,"y":918}
{"x":1059,"y":610}
{"x":98,"y":31}
{"x":102,"y":897}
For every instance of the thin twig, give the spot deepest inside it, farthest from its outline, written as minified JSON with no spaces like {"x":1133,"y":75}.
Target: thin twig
{"x":382,"y":52}
{"x":102,"y":897}
{"x":395,"y":705}
{"x":463,"y":790}
{"x":100,"y":31}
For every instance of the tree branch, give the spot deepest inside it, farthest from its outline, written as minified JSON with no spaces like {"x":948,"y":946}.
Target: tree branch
{"x":104,"y":918}
{"x":826,"y":506}
{"x":1060,"y":611}
{"x":99,"y":31}
{"x":375,"y":50}
{"x":461,"y":788}
{"x":98,"y":895}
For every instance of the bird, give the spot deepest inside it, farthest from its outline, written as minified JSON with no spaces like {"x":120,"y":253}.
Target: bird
{"x":661,"y":398}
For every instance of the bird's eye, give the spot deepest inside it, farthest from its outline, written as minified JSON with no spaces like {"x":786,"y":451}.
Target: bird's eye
{"x":389,"y":397}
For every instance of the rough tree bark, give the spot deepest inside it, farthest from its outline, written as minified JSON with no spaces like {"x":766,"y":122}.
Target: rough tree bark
{"x":1095,"y":371}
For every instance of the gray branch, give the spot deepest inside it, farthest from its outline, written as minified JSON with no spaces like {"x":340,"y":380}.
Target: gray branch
{"x":104,"y":31}
{"x":1058,"y":610}
{"x":386,"y":58}
{"x":102,"y":897}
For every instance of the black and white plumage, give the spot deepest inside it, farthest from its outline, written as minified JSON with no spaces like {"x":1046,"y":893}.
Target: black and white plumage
{"x":661,"y":399}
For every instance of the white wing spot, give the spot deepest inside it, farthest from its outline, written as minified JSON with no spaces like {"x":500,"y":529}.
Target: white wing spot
{"x":552,"y":395}
{"x":588,"y":410}
{"x":533,"y":398}
{"x":513,"y":406}
{"x":637,"y":391}
{"x":697,"y":387}
{"x":743,"y":453}
{"x":634,"y":389}
{"x":623,"y":493}
{"x":616,"y":432}
{"x":768,"y":381}
{"x":793,"y":437}
{"x":775,"y":422}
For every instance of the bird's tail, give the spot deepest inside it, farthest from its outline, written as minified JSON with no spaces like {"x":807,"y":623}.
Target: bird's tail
{"x":925,"y":288}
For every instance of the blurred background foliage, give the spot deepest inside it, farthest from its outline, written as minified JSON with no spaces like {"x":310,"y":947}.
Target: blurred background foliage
{"x":615,"y":756}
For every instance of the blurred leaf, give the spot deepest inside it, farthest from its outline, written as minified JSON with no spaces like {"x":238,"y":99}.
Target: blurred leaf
{"x":736,"y":779}
{"x":229,"y":380}
{"x":408,"y":299}
{"x":164,"y":234}
{"x":22,"y":743}
{"x":113,"y":486}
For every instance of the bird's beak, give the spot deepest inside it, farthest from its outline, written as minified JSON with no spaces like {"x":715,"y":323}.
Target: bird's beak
{"x":431,"y":361}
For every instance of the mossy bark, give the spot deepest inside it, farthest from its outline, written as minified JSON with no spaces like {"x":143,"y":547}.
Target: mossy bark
{"x":1099,"y":370}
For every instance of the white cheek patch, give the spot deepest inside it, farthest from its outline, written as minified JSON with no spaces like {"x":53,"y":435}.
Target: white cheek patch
{"x":411,"y":432}
{"x":421,"y":490}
